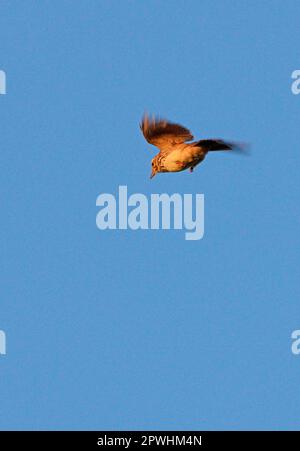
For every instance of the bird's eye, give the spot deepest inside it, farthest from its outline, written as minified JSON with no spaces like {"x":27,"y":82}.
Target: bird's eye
{"x":152,"y":163}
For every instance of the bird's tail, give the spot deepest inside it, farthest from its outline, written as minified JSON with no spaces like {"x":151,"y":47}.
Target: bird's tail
{"x":211,"y":145}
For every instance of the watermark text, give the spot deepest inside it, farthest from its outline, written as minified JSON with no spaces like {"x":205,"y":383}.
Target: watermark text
{"x":295,"y":87}
{"x":2,"y":82}
{"x":296,"y":342}
{"x":2,"y":342}
{"x":160,"y":211}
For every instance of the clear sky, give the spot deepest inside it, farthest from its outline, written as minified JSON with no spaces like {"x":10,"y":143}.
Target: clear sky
{"x":143,"y":329}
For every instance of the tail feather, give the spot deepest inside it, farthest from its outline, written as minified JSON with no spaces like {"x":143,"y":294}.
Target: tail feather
{"x":216,"y":144}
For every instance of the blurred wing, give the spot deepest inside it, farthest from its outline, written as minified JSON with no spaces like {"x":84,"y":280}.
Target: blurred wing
{"x":164,"y":134}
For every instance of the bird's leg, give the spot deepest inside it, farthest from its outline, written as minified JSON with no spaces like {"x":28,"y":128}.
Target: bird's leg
{"x":191,"y":169}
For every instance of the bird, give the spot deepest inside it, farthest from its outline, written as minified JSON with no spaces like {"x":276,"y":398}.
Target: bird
{"x":176,"y":153}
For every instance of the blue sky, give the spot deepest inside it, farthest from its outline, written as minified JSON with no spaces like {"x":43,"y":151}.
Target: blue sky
{"x":142,"y":329}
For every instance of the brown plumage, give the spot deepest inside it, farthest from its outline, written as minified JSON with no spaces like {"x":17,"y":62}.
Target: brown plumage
{"x":176,"y":154}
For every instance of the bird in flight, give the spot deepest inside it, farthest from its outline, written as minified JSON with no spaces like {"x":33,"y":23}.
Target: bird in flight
{"x":176,"y":154}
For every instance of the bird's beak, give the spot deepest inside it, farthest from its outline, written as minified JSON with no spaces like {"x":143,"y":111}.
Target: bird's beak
{"x":153,"y":173}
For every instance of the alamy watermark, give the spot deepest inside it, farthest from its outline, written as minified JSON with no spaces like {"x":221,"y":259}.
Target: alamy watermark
{"x":2,"y":82}
{"x":296,"y":342}
{"x":160,"y":211}
{"x":295,"y":87}
{"x":2,"y":342}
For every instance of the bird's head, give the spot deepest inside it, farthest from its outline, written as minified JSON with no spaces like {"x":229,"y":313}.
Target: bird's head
{"x":155,"y":167}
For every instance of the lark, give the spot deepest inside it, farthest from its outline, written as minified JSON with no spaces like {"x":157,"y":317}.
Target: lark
{"x":176,"y":153}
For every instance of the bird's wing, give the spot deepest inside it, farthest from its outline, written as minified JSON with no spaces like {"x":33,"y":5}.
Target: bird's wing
{"x":164,"y":134}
